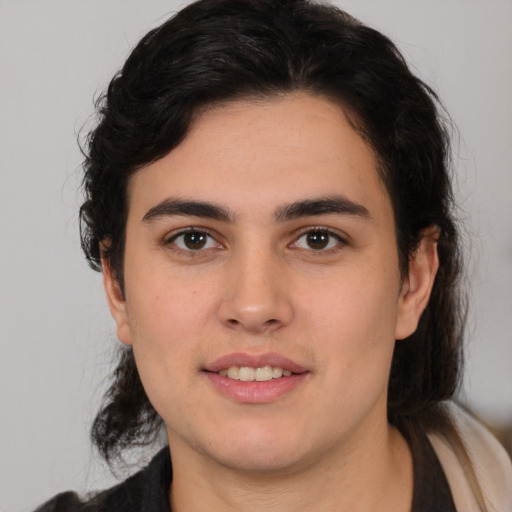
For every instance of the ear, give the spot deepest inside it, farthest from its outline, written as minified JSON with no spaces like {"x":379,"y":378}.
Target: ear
{"x":416,"y":288}
{"x":116,"y":302}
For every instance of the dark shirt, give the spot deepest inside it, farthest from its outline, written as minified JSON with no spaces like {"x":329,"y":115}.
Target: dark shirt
{"x":147,"y":490}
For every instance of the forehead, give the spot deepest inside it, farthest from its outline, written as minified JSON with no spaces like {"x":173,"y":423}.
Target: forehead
{"x":263,"y":153}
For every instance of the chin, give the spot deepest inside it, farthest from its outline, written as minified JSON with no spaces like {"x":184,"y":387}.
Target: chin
{"x":258,"y":450}
{"x":260,"y":459}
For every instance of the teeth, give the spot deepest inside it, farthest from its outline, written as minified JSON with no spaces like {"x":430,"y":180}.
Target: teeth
{"x":248,"y":374}
{"x":263,"y":373}
{"x":234,"y":372}
{"x":277,"y":372}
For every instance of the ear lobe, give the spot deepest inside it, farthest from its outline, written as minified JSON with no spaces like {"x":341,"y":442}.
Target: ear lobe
{"x":417,"y":287}
{"x":116,"y":302}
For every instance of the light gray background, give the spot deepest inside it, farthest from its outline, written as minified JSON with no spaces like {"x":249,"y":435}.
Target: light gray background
{"x":56,"y":336}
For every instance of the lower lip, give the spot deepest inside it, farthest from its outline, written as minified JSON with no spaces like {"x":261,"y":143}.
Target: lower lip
{"x":255,"y":392}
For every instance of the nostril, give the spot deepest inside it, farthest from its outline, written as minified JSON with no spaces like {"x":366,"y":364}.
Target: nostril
{"x":233,"y":322}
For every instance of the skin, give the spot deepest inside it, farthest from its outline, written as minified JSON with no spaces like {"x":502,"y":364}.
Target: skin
{"x":258,"y":286}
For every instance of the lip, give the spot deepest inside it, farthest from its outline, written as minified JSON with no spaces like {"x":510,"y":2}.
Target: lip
{"x":255,"y":392}
{"x":254,"y":361}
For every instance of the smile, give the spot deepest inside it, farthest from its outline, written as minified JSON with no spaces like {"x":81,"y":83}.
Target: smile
{"x":250,"y":374}
{"x":255,"y":378}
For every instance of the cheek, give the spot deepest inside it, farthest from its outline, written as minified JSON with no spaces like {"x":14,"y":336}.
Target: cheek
{"x":166,"y":334}
{"x":358,"y":303}
{"x":163,"y":304}
{"x":162,"y":322}
{"x":353,"y":320}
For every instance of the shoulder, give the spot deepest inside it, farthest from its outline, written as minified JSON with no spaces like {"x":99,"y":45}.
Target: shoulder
{"x":146,"y":490}
{"x":491,"y":463}
{"x":61,"y":503}
{"x":111,"y":500}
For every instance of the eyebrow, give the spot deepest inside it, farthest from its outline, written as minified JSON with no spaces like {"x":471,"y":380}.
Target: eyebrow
{"x":172,"y":207}
{"x":321,"y":206}
{"x":303,"y":208}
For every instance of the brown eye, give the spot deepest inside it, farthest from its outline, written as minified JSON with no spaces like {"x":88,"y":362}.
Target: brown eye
{"x":193,"y":241}
{"x":318,"y":240}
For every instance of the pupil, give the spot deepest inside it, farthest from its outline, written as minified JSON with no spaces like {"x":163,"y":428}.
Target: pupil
{"x":195,"y":240}
{"x":318,"y":240}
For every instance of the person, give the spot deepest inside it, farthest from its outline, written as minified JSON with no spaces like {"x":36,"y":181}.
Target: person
{"x":268,"y":197}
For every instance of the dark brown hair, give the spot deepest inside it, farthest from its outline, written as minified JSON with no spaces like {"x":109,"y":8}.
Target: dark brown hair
{"x":219,"y":50}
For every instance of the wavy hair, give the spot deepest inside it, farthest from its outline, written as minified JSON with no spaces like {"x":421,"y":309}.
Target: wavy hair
{"x":220,"y":50}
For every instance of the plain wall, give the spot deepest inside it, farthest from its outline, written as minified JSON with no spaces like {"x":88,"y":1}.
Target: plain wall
{"x":56,"y":336}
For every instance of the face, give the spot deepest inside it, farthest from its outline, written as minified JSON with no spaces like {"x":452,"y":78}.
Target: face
{"x":262,"y":290}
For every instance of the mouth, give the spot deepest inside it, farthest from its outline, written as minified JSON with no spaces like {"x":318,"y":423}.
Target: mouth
{"x":259,"y":368}
{"x":255,"y":379}
{"x":258,"y":374}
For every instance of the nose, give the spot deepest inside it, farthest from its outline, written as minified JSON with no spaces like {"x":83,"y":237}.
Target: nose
{"x":256,"y":297}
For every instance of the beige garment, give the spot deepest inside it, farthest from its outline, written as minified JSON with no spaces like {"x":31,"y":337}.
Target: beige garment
{"x":491,"y":462}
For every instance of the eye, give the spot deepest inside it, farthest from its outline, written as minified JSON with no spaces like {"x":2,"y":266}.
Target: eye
{"x":193,"y":240}
{"x":318,"y":240}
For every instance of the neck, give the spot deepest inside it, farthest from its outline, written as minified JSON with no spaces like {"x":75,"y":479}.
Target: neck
{"x":368,"y":477}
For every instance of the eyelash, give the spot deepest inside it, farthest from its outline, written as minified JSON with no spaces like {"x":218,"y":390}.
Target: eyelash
{"x":191,"y":230}
{"x":332,"y":235}
{"x":340,"y":241}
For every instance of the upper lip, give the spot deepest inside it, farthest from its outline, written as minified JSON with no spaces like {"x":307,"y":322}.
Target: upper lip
{"x":254,"y":361}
